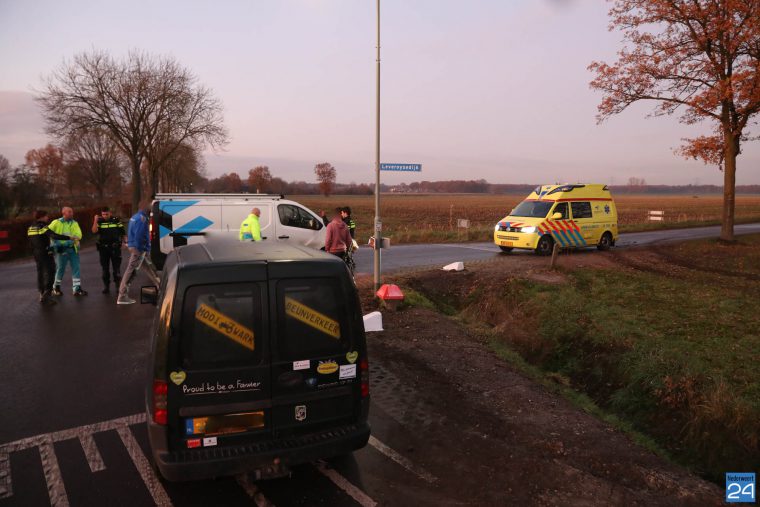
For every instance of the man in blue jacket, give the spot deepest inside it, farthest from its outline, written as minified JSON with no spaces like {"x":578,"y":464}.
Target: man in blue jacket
{"x":138,"y":243}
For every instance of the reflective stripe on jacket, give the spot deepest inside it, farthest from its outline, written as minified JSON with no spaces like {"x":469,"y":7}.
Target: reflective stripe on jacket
{"x":67,"y":228}
{"x":250,"y":230}
{"x":110,"y":231}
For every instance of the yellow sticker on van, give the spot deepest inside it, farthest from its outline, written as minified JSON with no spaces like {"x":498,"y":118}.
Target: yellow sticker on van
{"x":312,"y":318}
{"x":222,"y":324}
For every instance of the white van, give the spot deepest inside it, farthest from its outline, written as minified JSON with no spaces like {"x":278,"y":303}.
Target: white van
{"x":182,"y":219}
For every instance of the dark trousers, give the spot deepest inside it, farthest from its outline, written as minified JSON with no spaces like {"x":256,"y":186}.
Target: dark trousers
{"x":110,"y":261}
{"x":45,"y":271}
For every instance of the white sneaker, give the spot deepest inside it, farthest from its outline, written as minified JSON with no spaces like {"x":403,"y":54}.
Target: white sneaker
{"x":125,"y":301}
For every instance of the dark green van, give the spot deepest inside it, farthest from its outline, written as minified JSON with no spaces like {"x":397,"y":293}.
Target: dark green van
{"x":259,"y":361}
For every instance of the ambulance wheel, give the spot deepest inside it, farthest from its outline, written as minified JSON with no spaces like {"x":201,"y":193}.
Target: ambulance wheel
{"x":505,"y":249}
{"x":605,"y":243}
{"x":545,"y":245}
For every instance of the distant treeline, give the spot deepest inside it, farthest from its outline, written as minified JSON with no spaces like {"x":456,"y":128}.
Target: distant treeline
{"x":484,"y":187}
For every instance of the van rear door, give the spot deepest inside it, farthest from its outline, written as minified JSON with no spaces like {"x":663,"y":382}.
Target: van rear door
{"x":315,"y":354}
{"x":219,"y":380}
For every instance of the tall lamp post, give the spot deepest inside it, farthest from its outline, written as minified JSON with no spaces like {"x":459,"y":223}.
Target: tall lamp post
{"x":378,"y":224}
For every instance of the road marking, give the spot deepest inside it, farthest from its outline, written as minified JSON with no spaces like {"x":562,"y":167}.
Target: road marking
{"x":401,"y":460}
{"x":6,"y":485}
{"x":57,"y":436}
{"x":90,"y":448}
{"x":358,"y":495}
{"x":483,"y":249}
{"x":44,"y":444}
{"x":252,"y":491}
{"x":56,"y":489}
{"x":149,"y":477}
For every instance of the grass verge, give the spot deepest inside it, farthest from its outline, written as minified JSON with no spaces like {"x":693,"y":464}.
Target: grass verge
{"x":671,"y":357}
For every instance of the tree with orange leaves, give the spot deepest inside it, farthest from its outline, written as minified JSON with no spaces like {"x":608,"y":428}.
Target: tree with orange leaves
{"x":326,"y":175}
{"x":698,"y":58}
{"x":48,"y":162}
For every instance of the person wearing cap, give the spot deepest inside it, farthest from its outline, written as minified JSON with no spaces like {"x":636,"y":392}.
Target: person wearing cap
{"x":39,"y":240}
{"x":111,"y":234}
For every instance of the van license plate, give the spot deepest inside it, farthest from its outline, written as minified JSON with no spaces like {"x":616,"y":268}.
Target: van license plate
{"x":224,"y":424}
{"x":505,"y":243}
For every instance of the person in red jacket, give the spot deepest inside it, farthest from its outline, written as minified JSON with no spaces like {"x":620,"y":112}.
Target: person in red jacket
{"x":338,"y":238}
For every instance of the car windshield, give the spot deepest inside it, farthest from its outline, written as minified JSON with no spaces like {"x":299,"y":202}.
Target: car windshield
{"x":532,"y":209}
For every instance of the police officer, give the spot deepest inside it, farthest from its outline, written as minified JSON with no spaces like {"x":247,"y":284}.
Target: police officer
{"x":39,"y":240}
{"x":345,"y":214}
{"x":111,"y":234}
{"x":250,"y":229}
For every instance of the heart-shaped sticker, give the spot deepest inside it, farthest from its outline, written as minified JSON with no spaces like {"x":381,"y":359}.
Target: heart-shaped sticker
{"x":178,"y":377}
{"x":352,"y":356}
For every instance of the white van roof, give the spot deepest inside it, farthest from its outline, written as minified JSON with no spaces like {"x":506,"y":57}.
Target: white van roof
{"x":235,"y":197}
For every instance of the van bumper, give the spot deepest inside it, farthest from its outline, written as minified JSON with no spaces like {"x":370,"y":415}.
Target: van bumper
{"x":207,"y":463}
{"x":516,"y":239}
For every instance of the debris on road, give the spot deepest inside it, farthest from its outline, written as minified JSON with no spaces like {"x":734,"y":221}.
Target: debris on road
{"x":373,"y":322}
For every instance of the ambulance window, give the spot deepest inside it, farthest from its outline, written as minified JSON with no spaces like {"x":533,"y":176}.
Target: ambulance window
{"x":561,"y":208}
{"x":534,"y":209}
{"x":295,"y":216}
{"x":311,"y":318}
{"x":221,"y":326}
{"x":581,"y":209}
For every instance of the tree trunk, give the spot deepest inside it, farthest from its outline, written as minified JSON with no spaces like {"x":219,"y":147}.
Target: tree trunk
{"x":136,"y":185}
{"x":729,"y":187}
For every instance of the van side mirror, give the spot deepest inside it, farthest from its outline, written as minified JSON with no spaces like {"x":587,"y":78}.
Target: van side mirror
{"x":149,"y":295}
{"x":557,"y":216}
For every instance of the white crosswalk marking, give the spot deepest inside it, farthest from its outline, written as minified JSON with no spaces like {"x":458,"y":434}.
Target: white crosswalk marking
{"x":91,"y":452}
{"x":56,"y":489}
{"x":6,"y":485}
{"x":358,"y":495}
{"x":150,"y":479}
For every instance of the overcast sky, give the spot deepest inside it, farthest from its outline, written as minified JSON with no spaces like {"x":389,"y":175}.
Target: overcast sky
{"x":477,"y":89}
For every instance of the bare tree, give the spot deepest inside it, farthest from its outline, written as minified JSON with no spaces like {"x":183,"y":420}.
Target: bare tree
{"x":182,"y":171}
{"x":326,"y":175}
{"x":259,"y":179}
{"x":5,"y":170}
{"x":97,"y":156}
{"x":149,"y":105}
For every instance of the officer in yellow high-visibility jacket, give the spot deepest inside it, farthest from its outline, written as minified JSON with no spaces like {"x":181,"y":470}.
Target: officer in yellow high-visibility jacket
{"x":250,"y":230}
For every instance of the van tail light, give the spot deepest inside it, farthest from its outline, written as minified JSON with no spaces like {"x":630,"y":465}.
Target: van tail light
{"x":364,"y":368}
{"x":153,"y":229}
{"x":159,"y":402}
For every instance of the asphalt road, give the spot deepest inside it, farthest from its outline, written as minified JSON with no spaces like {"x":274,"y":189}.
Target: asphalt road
{"x":414,"y":256}
{"x":71,"y":394}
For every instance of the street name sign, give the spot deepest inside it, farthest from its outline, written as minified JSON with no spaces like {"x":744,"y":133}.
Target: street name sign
{"x":401,"y":167}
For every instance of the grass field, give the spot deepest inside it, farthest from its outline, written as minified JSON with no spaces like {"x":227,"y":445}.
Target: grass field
{"x":419,"y":218}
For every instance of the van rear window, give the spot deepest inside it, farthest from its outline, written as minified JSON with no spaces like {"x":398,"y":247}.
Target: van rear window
{"x":221,"y":326}
{"x":312,"y":318}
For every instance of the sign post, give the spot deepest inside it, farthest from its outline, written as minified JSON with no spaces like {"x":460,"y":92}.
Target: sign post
{"x":377,"y":224}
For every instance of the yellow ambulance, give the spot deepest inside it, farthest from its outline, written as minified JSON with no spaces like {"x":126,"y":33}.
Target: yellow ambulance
{"x":570,"y":216}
